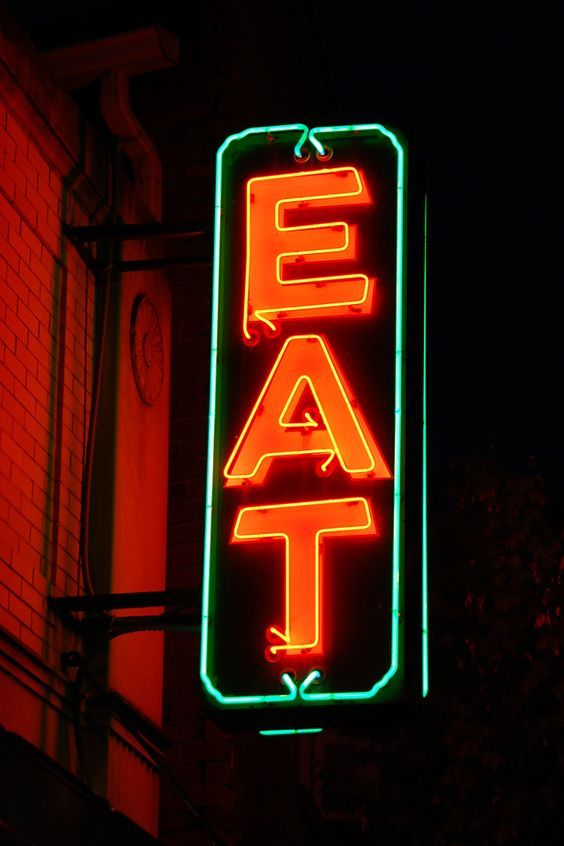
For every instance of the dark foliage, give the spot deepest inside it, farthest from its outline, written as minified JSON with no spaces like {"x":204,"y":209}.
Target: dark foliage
{"x":485,"y":762}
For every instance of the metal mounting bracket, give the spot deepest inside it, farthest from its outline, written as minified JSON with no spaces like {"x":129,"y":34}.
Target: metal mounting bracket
{"x":81,"y":236}
{"x":183,"y":616}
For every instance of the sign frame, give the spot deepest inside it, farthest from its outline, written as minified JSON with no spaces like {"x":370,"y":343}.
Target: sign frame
{"x":301,"y":693}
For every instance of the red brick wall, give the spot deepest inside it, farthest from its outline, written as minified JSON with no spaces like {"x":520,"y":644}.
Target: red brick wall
{"x":53,"y":170}
{"x":46,"y":332}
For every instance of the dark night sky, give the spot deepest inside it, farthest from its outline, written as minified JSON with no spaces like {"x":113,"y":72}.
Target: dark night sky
{"x":479,"y":94}
{"x":477,"y":91}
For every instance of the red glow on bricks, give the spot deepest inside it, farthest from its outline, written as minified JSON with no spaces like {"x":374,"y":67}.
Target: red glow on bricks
{"x":47,"y":329}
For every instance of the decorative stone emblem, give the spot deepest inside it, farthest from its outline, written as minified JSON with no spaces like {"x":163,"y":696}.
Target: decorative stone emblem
{"x":147,"y":352}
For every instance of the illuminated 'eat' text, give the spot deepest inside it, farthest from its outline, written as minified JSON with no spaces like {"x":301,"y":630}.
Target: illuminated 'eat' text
{"x":275,"y":248}
{"x":271,"y":431}
{"x":304,"y":527}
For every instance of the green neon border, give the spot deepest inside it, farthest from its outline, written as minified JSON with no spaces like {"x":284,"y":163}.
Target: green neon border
{"x":424,"y":492}
{"x":278,"y":732}
{"x":300,"y":695}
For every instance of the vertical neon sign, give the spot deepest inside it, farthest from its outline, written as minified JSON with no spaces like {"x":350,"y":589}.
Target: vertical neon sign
{"x":304,"y":546}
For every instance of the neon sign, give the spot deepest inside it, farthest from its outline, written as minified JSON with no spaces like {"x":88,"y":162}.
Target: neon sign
{"x":271,"y":294}
{"x":339,"y":431}
{"x":304,"y":527}
{"x":304,"y":547}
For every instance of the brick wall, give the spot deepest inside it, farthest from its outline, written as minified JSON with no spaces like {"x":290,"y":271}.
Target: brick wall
{"x":47,"y":308}
{"x":54,"y":170}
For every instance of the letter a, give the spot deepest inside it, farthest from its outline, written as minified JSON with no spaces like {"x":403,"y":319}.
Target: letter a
{"x":270,"y":432}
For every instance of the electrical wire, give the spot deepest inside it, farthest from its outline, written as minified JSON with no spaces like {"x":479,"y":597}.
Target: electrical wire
{"x":88,"y":463}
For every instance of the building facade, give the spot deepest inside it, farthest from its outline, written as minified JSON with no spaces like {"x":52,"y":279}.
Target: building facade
{"x":104,"y":352}
{"x":84,"y":443}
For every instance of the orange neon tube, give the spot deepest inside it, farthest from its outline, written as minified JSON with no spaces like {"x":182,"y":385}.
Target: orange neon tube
{"x":271,"y":432}
{"x":273,"y":247}
{"x":304,"y":527}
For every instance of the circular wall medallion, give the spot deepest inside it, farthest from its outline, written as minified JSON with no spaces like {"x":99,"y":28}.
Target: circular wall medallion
{"x":147,"y":352}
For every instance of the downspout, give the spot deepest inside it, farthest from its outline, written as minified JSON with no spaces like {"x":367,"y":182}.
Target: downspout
{"x":135,"y":143}
{"x":113,"y":60}
{"x":131,"y":139}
